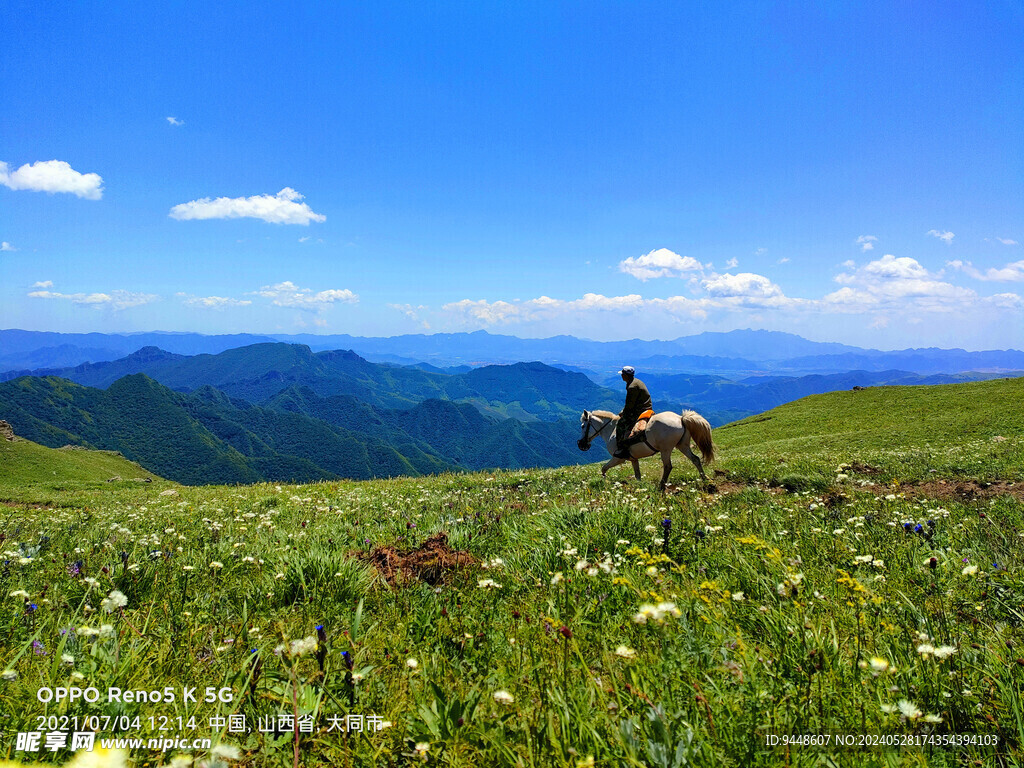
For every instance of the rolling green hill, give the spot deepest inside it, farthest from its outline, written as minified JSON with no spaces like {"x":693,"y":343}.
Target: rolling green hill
{"x":206,"y":437}
{"x":885,"y":417}
{"x":26,"y":465}
{"x":526,"y":391}
{"x":885,"y":434}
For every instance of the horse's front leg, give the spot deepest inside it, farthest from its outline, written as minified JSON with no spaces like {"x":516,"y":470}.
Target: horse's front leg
{"x":636,"y":468}
{"x":613,"y":462}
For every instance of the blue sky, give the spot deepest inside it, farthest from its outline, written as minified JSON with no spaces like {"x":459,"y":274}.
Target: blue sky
{"x":848,"y":172}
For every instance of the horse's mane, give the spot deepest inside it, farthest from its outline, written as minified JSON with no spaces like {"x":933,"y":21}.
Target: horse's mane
{"x":603,"y":413}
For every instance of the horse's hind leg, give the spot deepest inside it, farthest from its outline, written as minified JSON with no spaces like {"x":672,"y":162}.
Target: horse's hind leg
{"x":666,"y":464}
{"x":684,"y":447}
{"x":636,"y":468}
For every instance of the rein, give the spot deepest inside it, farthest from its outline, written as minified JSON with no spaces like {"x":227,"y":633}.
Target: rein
{"x":588,"y":438}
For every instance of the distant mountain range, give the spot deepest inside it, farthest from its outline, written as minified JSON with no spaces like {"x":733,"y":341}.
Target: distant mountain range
{"x":735,"y":354}
{"x":205,"y":437}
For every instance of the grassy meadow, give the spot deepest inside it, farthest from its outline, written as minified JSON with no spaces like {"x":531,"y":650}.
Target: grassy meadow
{"x":855,"y":569}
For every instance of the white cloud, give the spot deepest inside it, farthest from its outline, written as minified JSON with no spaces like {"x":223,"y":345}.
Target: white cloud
{"x":1005,"y":300}
{"x":732,"y":263}
{"x":1010,"y":273}
{"x":867,"y":242}
{"x":783,"y":260}
{"x":175,"y":121}
{"x":43,"y":284}
{"x":746,"y":285}
{"x":53,"y":176}
{"x":215,"y":302}
{"x":1007,"y":241}
{"x":659,"y":263}
{"x":304,"y":239}
{"x":287,"y":294}
{"x":945,"y":236}
{"x":282,"y":208}
{"x":891,"y":267}
{"x":895,"y":283}
{"x":503,"y":312}
{"x":5,"y":246}
{"x":760,"y":251}
{"x":113,"y":300}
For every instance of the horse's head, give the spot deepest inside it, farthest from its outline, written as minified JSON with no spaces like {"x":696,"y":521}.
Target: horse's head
{"x":585,"y":437}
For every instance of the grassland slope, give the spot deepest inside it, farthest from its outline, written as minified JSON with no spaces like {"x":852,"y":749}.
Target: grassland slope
{"x":26,"y":465}
{"x":884,"y":417}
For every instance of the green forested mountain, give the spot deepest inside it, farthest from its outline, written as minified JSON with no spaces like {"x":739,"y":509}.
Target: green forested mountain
{"x":527,"y":391}
{"x":207,"y":437}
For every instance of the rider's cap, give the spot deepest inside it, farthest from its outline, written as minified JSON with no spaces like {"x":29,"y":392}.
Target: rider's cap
{"x":627,"y":369}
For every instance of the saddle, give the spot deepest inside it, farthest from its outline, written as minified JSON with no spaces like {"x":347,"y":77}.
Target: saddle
{"x":641,"y":423}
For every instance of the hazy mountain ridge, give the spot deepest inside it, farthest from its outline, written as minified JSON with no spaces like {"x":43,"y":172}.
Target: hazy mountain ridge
{"x":735,"y":353}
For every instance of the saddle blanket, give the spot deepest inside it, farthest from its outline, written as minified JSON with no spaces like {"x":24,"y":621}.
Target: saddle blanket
{"x":641,"y":423}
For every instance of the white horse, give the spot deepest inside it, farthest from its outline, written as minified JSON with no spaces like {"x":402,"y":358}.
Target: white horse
{"x":665,"y":432}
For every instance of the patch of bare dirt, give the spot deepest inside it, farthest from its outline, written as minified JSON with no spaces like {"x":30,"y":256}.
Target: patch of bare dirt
{"x":721,"y":487}
{"x":863,"y":469}
{"x":433,"y":561}
{"x":7,"y":431}
{"x":26,"y":505}
{"x":956,"y":490}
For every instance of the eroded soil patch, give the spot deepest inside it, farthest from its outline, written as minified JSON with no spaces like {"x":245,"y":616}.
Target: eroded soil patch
{"x":433,"y":561}
{"x":956,"y":490}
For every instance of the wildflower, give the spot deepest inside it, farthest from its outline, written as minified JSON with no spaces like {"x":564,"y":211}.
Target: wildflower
{"x":969,"y":570}
{"x":411,"y":663}
{"x":556,"y":578}
{"x":624,"y":652}
{"x":107,"y":631}
{"x":926,"y":649}
{"x":488,"y":584}
{"x":503,"y":697}
{"x":67,"y":658}
{"x":423,"y":747}
{"x":303,"y":646}
{"x":91,"y":582}
{"x":909,"y":709}
{"x":878,"y":665}
{"x":216,"y":565}
{"x":19,"y":593}
{"x":738,"y":597}
{"x":113,"y":601}
{"x":226,"y":752}
{"x":651,"y":570}
{"x":944,"y":651}
{"x":932,"y":719}
{"x":9,"y":674}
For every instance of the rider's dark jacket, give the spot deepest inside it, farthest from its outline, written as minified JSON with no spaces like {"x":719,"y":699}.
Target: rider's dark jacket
{"x":638,"y":400}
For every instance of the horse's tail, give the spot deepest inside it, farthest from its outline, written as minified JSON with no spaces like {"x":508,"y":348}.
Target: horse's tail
{"x":700,"y":431}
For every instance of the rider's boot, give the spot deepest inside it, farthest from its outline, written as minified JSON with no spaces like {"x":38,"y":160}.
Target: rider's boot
{"x":624,"y":446}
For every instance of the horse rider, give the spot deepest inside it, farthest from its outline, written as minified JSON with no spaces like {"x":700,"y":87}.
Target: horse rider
{"x":638,"y":402}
